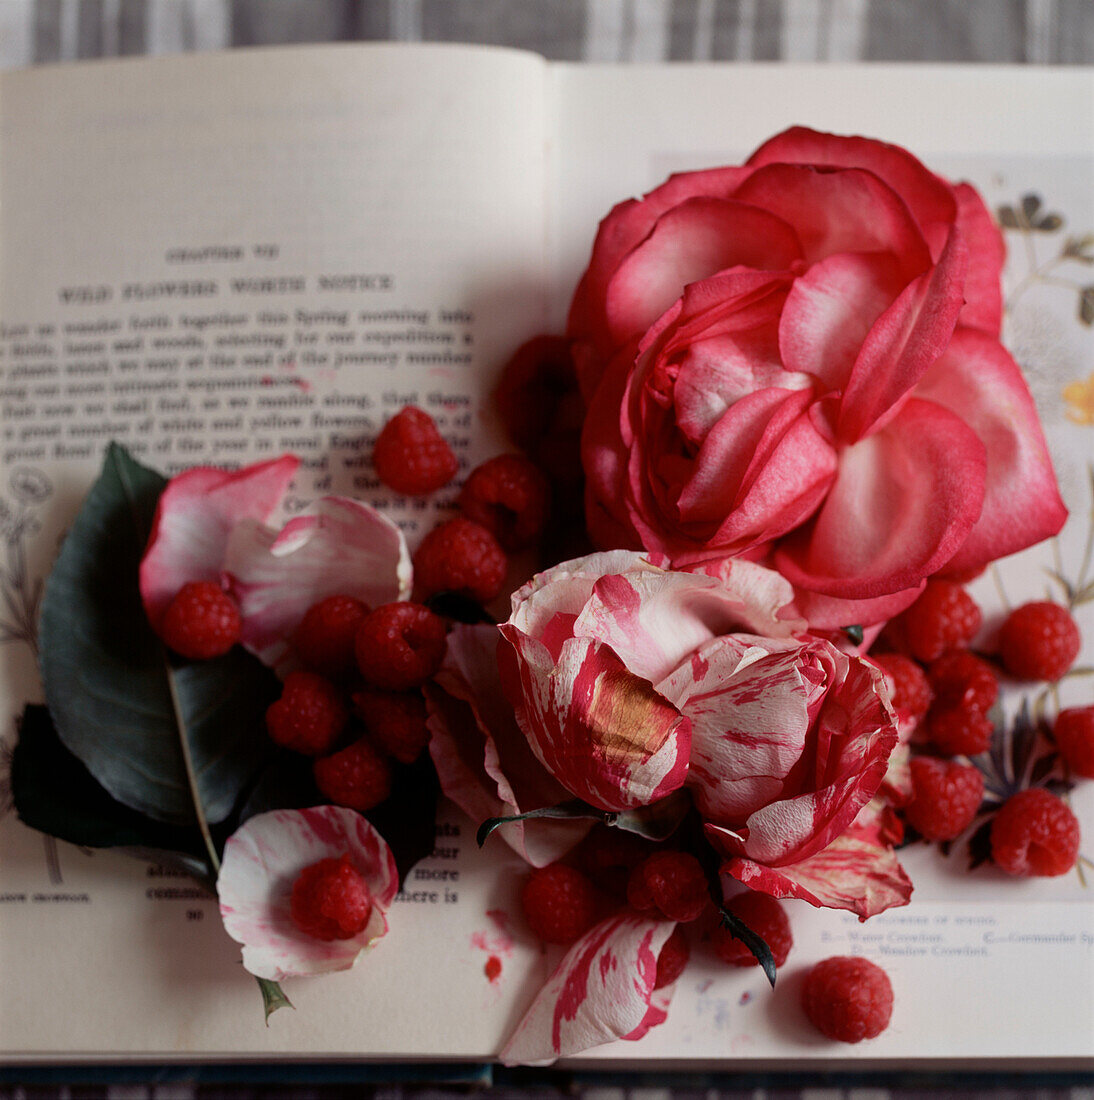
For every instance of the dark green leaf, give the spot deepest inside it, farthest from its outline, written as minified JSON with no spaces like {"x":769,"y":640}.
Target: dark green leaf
{"x":1008,"y":217}
{"x":854,"y":634}
{"x":1049,"y":223}
{"x":55,"y":794}
{"x":1031,"y":203}
{"x":109,"y":684}
{"x":459,"y":608}
{"x":756,"y":944}
{"x":980,"y":845}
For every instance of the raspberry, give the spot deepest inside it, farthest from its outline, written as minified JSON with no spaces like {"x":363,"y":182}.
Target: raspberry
{"x":411,"y":456}
{"x":848,"y":998}
{"x":673,"y":959}
{"x":1074,"y":733}
{"x":764,"y":916}
{"x":324,"y":639}
{"x":356,"y":777}
{"x":460,"y":556}
{"x":911,"y":691}
{"x":510,"y":498}
{"x":943,"y":617}
{"x":560,"y":904}
{"x":961,"y":678}
{"x":202,"y":621}
{"x":330,"y":900}
{"x":1035,"y":833}
{"x":540,"y":405}
{"x":945,"y":799}
{"x":400,"y":645}
{"x":309,"y":716}
{"x":396,"y":720}
{"x":1039,"y":641}
{"x":959,"y":731}
{"x":671,"y":882}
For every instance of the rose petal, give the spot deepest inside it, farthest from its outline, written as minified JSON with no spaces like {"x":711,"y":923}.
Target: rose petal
{"x":903,"y":343}
{"x":903,"y":502}
{"x":690,"y":242}
{"x":845,"y":210}
{"x":928,"y":197}
{"x":482,"y":758}
{"x":342,"y":547}
{"x":193,"y":518}
{"x":857,"y":871}
{"x":605,"y":734}
{"x":831,"y":309}
{"x":979,"y":381}
{"x":763,"y":599}
{"x":987,"y":253}
{"x":601,"y":991}
{"x":262,"y":860}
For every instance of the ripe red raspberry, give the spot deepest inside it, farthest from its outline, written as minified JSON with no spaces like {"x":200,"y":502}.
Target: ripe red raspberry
{"x":324,"y":639}
{"x":943,"y":617}
{"x":560,"y":904}
{"x":510,"y":498}
{"x":356,"y":777}
{"x":959,"y":730}
{"x":608,"y":855}
{"x":946,"y":796}
{"x":672,"y":883}
{"x":1039,"y":641}
{"x":848,"y":998}
{"x":309,"y":716}
{"x":540,"y":405}
{"x":1074,"y":734}
{"x":1035,"y":833}
{"x":396,"y":721}
{"x":960,"y":678}
{"x":460,"y":556}
{"x":764,"y":916}
{"x":411,"y":456}
{"x":202,"y":621}
{"x":330,"y":900}
{"x":673,"y":958}
{"x":911,"y":691}
{"x":400,"y":645}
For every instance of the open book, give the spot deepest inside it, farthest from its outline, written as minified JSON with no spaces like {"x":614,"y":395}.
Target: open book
{"x":215,"y":259}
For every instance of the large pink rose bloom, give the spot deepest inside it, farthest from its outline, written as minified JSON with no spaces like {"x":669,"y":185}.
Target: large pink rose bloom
{"x":630,"y":682}
{"x":799,"y":358}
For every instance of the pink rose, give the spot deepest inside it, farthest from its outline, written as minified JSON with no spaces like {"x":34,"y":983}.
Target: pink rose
{"x":630,"y":682}
{"x":799,"y":359}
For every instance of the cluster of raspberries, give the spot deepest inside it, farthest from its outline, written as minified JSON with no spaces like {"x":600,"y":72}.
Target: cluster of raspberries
{"x":945,"y":690}
{"x":354,"y":705}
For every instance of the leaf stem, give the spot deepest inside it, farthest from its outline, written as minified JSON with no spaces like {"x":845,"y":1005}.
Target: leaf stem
{"x":188,"y":764}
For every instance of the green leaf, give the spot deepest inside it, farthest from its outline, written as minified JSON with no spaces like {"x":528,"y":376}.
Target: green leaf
{"x":55,"y":794}
{"x":273,"y":997}
{"x":854,"y":634}
{"x":116,"y":700}
{"x":755,"y":943}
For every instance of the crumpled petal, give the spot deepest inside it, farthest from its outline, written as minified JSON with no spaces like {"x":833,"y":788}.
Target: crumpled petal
{"x":601,"y":991}
{"x":604,"y":733}
{"x":193,"y":519}
{"x":482,"y":758}
{"x":856,"y":871}
{"x":262,"y":860}
{"x":340,"y":547}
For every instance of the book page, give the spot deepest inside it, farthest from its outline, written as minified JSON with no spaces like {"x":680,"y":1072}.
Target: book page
{"x":212,"y":261}
{"x":971,"y":944}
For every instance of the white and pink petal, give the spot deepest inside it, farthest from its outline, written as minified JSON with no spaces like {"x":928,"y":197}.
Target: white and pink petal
{"x":263,"y":859}
{"x":602,"y":990}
